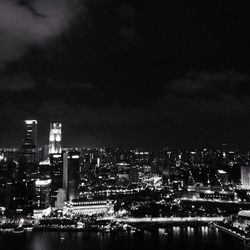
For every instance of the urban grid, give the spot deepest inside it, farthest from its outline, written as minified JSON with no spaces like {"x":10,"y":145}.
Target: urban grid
{"x":82,"y":189}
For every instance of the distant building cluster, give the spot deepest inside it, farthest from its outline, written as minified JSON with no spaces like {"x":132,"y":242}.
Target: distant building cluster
{"x":38,"y":181}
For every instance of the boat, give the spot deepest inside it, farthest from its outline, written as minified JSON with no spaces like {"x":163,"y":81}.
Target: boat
{"x":7,"y":227}
{"x":18,"y":230}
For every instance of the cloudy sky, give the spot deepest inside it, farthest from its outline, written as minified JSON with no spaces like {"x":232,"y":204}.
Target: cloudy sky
{"x":126,"y":72}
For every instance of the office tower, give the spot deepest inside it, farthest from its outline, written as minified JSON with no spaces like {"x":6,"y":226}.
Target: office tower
{"x":27,"y":169}
{"x":44,"y":153}
{"x":44,"y":168}
{"x":42,"y":198}
{"x":65,"y":174}
{"x":71,"y":174}
{"x":30,"y":136}
{"x":56,"y":167}
{"x":7,"y":180}
{"x":223,"y":177}
{"x":28,"y":157}
{"x":60,"y":199}
{"x":245,"y":176}
{"x":55,"y":138}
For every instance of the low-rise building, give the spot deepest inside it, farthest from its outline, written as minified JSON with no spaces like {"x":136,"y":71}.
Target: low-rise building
{"x":89,"y":207}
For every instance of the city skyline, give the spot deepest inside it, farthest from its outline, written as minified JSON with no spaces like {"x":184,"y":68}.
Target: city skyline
{"x":124,"y":124}
{"x":54,"y":141}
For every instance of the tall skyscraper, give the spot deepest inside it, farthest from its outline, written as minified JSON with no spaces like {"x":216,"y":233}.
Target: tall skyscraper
{"x":28,"y":157}
{"x":30,"y":136}
{"x":71,"y":174}
{"x":65,"y":173}
{"x":27,"y":168}
{"x":56,"y":172}
{"x":55,"y":138}
{"x":245,"y":176}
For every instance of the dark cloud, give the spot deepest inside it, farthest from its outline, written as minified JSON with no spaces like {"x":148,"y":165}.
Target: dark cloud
{"x":209,"y":83}
{"x":122,"y":77}
{"x":33,"y":22}
{"x":18,"y":82}
{"x":68,"y":86}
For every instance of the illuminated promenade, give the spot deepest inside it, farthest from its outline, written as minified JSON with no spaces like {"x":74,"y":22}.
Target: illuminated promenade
{"x":214,"y":201}
{"x":165,"y":219}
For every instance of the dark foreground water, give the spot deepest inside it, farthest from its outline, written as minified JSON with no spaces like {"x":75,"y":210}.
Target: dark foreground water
{"x":184,"y":238}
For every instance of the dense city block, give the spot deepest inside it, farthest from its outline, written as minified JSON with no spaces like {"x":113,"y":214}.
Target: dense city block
{"x":54,"y":187}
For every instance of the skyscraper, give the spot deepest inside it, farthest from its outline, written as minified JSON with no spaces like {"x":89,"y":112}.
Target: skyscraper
{"x":30,"y":136}
{"x":245,"y":176}
{"x":28,"y":157}
{"x":56,"y":167}
{"x":42,"y":198}
{"x":71,"y":174}
{"x":55,"y":138}
{"x":27,"y":168}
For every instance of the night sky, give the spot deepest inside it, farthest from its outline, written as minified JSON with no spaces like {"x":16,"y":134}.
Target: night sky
{"x":130,"y":73}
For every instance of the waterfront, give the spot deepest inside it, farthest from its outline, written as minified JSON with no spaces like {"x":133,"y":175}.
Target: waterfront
{"x":187,"y":238}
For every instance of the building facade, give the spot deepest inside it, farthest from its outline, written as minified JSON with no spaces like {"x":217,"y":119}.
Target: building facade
{"x":78,"y":207}
{"x":245,"y":176}
{"x":55,"y":138}
{"x":42,"y":198}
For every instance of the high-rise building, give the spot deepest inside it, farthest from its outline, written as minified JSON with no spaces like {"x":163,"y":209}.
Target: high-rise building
{"x":55,"y":138}
{"x":245,"y":176}
{"x":56,"y":167}
{"x":65,"y":174}
{"x":71,"y":174}
{"x":27,"y":168}
{"x":42,"y":198}
{"x":44,"y":153}
{"x":61,"y":198}
{"x":7,"y":180}
{"x":44,"y":168}
{"x":28,"y":157}
{"x":223,"y":177}
{"x":30,"y":136}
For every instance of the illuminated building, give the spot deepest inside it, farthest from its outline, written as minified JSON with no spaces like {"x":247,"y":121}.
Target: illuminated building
{"x":78,"y":207}
{"x":42,"y":198}
{"x":44,"y":169}
{"x":245,"y":177}
{"x":7,"y":179}
{"x":65,"y":174}
{"x":223,"y":177}
{"x":55,"y":138}
{"x":28,"y":168}
{"x":56,"y":167}
{"x":213,"y":195}
{"x":28,"y":157}
{"x":60,"y":199}
{"x":44,"y":154}
{"x":242,"y":220}
{"x":30,"y":137}
{"x":71,"y":174}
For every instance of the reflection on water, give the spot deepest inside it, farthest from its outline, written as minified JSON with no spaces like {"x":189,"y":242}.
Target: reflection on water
{"x":204,"y":231}
{"x":176,"y":231}
{"x":185,"y":238}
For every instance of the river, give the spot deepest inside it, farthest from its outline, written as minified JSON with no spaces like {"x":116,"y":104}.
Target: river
{"x":184,"y":238}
